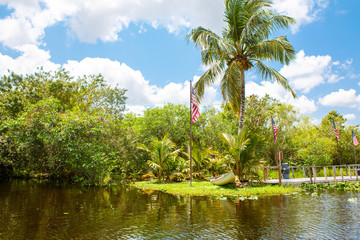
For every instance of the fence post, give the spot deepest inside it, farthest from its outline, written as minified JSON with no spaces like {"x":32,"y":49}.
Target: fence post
{"x":310,"y":175}
{"x":304,"y":172}
{"x":334,"y":173}
{"x":265,"y":173}
{"x":325,"y":174}
{"x":292,"y":171}
{"x":342,"y":174}
{"x":350,"y":172}
{"x":314,"y":173}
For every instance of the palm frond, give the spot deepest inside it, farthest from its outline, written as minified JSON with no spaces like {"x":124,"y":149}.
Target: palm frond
{"x":230,"y":86}
{"x":154,"y":165}
{"x":235,"y":17}
{"x":229,"y":139}
{"x":208,"y":78}
{"x":207,"y":39}
{"x":278,"y":49}
{"x":262,"y":23}
{"x":270,"y":73}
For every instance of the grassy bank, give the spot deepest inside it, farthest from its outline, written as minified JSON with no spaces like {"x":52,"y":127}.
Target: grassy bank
{"x":209,"y":189}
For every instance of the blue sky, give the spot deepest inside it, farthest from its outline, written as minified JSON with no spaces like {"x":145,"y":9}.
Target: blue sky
{"x":139,"y":45}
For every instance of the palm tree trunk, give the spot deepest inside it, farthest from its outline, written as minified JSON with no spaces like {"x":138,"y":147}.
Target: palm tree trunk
{"x":237,"y":171}
{"x":242,"y":100}
{"x":160,"y":172}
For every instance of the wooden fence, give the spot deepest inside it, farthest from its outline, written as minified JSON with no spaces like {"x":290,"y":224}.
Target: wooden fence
{"x":348,"y":172}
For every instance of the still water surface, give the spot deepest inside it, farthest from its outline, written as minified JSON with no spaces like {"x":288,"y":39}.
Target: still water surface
{"x":46,"y":211}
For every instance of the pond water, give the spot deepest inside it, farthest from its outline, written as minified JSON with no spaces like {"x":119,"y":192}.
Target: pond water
{"x":46,"y":211}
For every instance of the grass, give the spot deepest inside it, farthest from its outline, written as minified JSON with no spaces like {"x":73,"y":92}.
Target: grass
{"x":209,"y":189}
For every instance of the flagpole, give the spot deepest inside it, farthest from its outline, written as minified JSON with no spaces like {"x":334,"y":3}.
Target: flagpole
{"x":276,"y":151}
{"x":190,"y":135}
{"x":354,"y":153}
{"x":355,"y":143}
{"x":337,"y":144}
{"x":277,"y":163}
{"x":337,"y":140}
{"x":354,"y":138}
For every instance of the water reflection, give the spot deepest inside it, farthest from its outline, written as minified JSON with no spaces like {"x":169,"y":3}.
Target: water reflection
{"x":47,"y":211}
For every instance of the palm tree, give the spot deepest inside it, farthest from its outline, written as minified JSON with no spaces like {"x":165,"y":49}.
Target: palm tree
{"x":201,"y":157}
{"x":162,"y":154}
{"x":236,"y":145}
{"x":242,"y":150}
{"x":217,"y":165}
{"x":243,"y":45}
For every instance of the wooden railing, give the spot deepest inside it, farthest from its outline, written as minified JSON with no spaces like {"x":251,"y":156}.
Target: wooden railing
{"x":351,"y":170}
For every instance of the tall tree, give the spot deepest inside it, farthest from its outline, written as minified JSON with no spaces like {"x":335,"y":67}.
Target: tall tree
{"x":243,"y":45}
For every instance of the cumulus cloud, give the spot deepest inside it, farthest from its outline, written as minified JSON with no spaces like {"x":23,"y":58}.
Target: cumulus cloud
{"x":350,"y":116}
{"x":308,"y":72}
{"x":302,"y":103}
{"x":28,"y":19}
{"x":140,"y":92}
{"x":102,"y":20}
{"x":341,"y":98}
{"x":304,"y":11}
{"x":115,"y":73}
{"x":31,"y":58}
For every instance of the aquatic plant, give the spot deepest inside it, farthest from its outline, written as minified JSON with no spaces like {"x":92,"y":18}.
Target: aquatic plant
{"x":343,"y":186}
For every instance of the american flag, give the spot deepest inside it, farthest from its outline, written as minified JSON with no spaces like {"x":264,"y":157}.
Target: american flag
{"x":194,"y":107}
{"x":336,"y":131}
{"x":274,"y":129}
{"x":355,"y":141}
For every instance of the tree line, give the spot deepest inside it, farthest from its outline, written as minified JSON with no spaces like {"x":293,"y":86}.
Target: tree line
{"x":55,"y":126}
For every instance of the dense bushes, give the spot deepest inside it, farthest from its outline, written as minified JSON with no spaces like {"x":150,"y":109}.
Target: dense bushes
{"x":55,"y":126}
{"x":64,"y":128}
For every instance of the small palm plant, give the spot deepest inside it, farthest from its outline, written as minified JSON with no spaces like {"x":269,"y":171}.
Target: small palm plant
{"x":242,"y":151}
{"x":201,"y":158}
{"x":162,"y":155}
{"x":217,"y":165}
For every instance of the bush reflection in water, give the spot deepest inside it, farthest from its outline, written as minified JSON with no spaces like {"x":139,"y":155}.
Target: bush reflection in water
{"x":47,"y":211}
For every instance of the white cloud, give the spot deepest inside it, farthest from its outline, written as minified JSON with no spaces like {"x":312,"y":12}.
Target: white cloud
{"x":302,"y":103}
{"x":116,"y":73}
{"x":307,"y":72}
{"x":139,"y":91}
{"x":31,"y":58}
{"x":350,"y":116}
{"x":102,"y":20}
{"x":304,"y":11}
{"x":333,"y":78}
{"x":341,"y":98}
{"x":28,"y":20}
{"x":111,"y":17}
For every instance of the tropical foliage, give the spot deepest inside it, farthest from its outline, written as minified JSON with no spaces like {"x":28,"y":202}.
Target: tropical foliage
{"x":163,"y":156}
{"x":64,"y":128}
{"x":57,"y":127}
{"x":244,"y":45}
